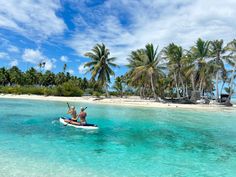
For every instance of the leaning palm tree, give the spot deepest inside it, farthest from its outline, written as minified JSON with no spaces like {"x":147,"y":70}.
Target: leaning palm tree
{"x":146,"y":63}
{"x":232,"y":62}
{"x":101,"y":65}
{"x":217,"y":50}
{"x":174,"y":55}
{"x":200,"y":53}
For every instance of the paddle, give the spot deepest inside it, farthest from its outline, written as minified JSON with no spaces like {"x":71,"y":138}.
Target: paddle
{"x":68,"y":108}
{"x":68,"y":105}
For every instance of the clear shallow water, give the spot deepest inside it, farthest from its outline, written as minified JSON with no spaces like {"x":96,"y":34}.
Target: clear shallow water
{"x":130,"y":141}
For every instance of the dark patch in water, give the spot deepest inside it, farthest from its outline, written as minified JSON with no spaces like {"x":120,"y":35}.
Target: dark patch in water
{"x":99,"y":151}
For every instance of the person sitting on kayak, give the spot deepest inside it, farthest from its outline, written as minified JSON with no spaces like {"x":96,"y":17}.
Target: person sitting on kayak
{"x":73,"y":114}
{"x":82,"y":115}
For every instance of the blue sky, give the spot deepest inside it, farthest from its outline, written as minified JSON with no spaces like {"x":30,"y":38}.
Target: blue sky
{"x":59,"y":32}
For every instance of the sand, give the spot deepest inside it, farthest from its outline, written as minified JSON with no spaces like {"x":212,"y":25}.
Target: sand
{"x":129,"y":101}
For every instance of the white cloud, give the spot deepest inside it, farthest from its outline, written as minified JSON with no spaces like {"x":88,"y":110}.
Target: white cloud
{"x":82,"y":69}
{"x":12,"y":48}
{"x":35,"y":57}
{"x":33,"y":19}
{"x":64,"y":59}
{"x":4,"y":55}
{"x":32,"y":56}
{"x":130,"y":25}
{"x":14,"y":63}
{"x":71,"y":71}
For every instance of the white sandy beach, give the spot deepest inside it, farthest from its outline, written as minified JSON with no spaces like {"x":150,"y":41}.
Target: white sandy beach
{"x":130,"y":101}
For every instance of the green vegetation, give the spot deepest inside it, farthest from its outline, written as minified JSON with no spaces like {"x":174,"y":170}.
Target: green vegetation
{"x":14,"y":81}
{"x":171,"y":73}
{"x":100,"y":66}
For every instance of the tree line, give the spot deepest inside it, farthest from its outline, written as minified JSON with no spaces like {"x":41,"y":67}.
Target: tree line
{"x":32,"y":81}
{"x":173,"y":72}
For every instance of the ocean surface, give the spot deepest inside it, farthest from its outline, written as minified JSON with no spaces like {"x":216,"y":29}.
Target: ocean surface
{"x":133,"y":142}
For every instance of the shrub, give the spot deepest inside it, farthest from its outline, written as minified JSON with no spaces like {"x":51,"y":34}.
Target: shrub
{"x":97,"y":94}
{"x":69,"y":89}
{"x":66,"y":89}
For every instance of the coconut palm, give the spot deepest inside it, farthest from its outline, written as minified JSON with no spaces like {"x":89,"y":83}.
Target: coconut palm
{"x":15,"y":75}
{"x":119,"y":85}
{"x":175,"y":55}
{"x":200,"y":70}
{"x":232,"y":61}
{"x":48,"y":79}
{"x":146,"y":64}
{"x":4,"y":76}
{"x":31,"y":76}
{"x":41,"y":65}
{"x":217,"y":50}
{"x":101,"y":65}
{"x":64,"y":68}
{"x":60,"y":78}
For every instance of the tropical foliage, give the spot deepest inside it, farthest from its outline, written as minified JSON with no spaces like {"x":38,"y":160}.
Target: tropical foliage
{"x":206,"y":69}
{"x":15,"y":81}
{"x":183,"y":74}
{"x":101,"y":65}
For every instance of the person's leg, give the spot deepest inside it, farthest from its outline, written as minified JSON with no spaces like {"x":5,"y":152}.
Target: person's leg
{"x":67,"y":120}
{"x":75,"y":123}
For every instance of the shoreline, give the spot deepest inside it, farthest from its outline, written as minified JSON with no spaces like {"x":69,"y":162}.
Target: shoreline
{"x":133,"y":101}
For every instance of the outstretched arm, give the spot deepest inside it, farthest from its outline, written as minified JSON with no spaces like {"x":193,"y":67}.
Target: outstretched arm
{"x":69,"y":111}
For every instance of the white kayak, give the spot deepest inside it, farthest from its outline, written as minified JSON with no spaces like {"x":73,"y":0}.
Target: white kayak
{"x":86,"y":126}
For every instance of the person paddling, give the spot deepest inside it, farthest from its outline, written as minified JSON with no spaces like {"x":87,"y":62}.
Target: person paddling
{"x":73,"y":114}
{"x":82,"y":115}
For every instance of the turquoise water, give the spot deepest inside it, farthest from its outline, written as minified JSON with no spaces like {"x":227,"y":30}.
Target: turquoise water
{"x":233,"y":100}
{"x":130,"y":141}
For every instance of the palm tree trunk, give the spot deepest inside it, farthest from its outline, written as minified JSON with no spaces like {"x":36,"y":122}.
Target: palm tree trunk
{"x":121,"y":93}
{"x":107,"y":93}
{"x":200,"y":86}
{"x":193,"y":83}
{"x":176,"y":85}
{"x":231,"y":85}
{"x":153,"y":88}
{"x":217,"y":88}
{"x":182,"y":83}
{"x":141,"y":92}
{"x":186,"y":87}
{"x":221,"y":90}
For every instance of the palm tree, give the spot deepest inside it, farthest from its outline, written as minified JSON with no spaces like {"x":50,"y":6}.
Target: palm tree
{"x":101,"y":65}
{"x":48,"y":79}
{"x":175,"y":55}
{"x":31,"y":76}
{"x":64,"y":68}
{"x":15,"y":75}
{"x":232,"y":61}
{"x":60,"y":78}
{"x":4,"y":76}
{"x":118,"y":85}
{"x":217,"y":50}
{"x":41,"y":65}
{"x":200,"y":68}
{"x":146,"y":64}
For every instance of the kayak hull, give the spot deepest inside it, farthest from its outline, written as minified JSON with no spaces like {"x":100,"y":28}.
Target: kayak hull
{"x":87,"y":126}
